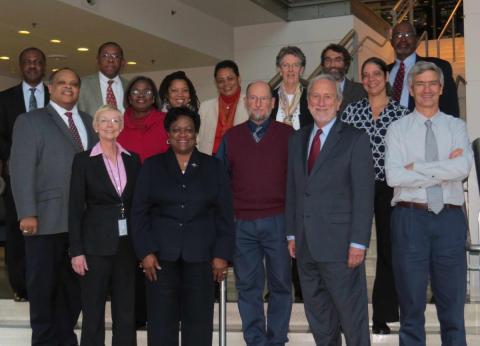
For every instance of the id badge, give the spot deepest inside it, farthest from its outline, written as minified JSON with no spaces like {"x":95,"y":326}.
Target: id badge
{"x":122,"y":227}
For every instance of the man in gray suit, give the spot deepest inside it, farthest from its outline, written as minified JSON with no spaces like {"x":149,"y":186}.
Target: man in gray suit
{"x":106,"y":86}
{"x":44,"y":143}
{"x":336,"y":61}
{"x":329,"y":210}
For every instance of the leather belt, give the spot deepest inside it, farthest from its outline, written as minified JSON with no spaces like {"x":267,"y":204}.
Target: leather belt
{"x":424,"y":206}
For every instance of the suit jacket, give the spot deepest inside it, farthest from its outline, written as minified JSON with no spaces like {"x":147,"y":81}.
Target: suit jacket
{"x":12,"y":104}
{"x":188,"y":216}
{"x":352,"y":92}
{"x":209,"y":119}
{"x":41,"y":164}
{"x":448,"y":102}
{"x":333,"y":206}
{"x":95,"y":205}
{"x":305,"y":116}
{"x":90,"y":98}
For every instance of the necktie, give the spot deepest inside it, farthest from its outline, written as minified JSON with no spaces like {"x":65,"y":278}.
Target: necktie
{"x":256,"y":134}
{"x":73,"y":130}
{"x":314,"y":150}
{"x":111,"y":100}
{"x":398,"y":84}
{"x":434,"y":193}
{"x":32,"y":102}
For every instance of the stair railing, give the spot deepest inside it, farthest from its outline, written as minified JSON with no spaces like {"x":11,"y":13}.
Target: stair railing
{"x":452,"y":21}
{"x":402,"y":9}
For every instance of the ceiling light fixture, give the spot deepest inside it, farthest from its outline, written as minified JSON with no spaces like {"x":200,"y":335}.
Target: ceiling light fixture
{"x":131,"y":62}
{"x":55,"y":40}
{"x":4,"y":57}
{"x":82,"y":49}
{"x":54,"y":69}
{"x":24,"y":32}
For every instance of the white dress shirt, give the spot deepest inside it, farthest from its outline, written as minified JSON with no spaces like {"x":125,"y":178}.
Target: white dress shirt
{"x":408,"y":62}
{"x":405,"y":144}
{"x":39,"y":94}
{"x":82,"y":131}
{"x":117,"y":88}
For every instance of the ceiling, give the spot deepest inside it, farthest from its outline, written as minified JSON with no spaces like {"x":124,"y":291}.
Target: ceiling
{"x":49,"y":19}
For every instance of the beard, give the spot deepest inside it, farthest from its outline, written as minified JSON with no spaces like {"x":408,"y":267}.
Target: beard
{"x":338,"y":74}
{"x":257,"y":116}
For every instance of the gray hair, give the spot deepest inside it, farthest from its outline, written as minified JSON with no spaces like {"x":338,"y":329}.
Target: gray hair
{"x":329,"y":77}
{"x":422,"y":66}
{"x":291,"y":50}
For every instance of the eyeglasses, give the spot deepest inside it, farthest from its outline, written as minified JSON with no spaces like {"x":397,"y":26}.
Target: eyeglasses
{"x":108,"y":56}
{"x":262,"y":99}
{"x":113,"y":121}
{"x":400,"y":35}
{"x":182,"y":130}
{"x":294,"y":66}
{"x":144,"y":93}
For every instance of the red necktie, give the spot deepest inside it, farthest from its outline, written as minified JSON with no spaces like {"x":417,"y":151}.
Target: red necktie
{"x":73,"y":130}
{"x":314,"y":150}
{"x":111,"y":100}
{"x":398,"y":84}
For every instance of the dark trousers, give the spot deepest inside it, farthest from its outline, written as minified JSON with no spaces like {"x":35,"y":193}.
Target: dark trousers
{"x":15,"y":245}
{"x":335,"y":299}
{"x":255,"y":241}
{"x":427,"y":245}
{"x":115,"y":275}
{"x":182,"y":293}
{"x":53,"y":290}
{"x":384,"y":296}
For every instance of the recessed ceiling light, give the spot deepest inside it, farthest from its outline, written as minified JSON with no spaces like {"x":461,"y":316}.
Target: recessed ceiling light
{"x":55,"y":40}
{"x":131,"y":62}
{"x":4,"y":58}
{"x":82,"y":49}
{"x":24,"y":32}
{"x":54,"y":69}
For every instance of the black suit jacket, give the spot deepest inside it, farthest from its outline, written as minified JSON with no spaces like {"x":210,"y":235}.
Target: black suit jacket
{"x":352,"y":92}
{"x":94,"y":207}
{"x":188,"y":216}
{"x":448,"y":102}
{"x":305,"y":116}
{"x":12,"y":104}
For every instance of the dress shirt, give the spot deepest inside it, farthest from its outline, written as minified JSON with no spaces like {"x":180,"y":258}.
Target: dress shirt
{"x":117,"y":88}
{"x":39,"y":94}
{"x":408,"y":62}
{"x":342,"y":85}
{"x":405,"y":143}
{"x":82,"y":131}
{"x":116,"y":172}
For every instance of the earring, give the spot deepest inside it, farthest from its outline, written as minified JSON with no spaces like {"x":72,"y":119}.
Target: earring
{"x":168,"y":141}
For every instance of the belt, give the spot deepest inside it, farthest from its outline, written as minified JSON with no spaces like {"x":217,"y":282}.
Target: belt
{"x":424,"y":206}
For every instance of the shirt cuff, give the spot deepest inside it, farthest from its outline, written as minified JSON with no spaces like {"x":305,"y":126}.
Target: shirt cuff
{"x":290,"y":237}
{"x":358,"y":246}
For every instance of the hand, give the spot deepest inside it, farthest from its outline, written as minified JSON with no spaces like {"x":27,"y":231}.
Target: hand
{"x":291,"y":248}
{"x":219,"y":269}
{"x":456,"y":153}
{"x":29,"y":225}
{"x":79,"y":265}
{"x":409,"y":167}
{"x":150,"y":266}
{"x":355,"y":257}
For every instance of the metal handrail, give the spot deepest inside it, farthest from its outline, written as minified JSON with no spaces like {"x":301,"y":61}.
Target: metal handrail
{"x":459,"y":80}
{"x":371,"y":39}
{"x":401,"y":9}
{"x":452,"y":15}
{"x":424,"y":37}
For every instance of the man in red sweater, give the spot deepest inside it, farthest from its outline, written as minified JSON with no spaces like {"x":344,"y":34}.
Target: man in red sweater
{"x":255,"y":153}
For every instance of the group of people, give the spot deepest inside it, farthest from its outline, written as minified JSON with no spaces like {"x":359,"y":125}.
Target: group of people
{"x":156,"y":195}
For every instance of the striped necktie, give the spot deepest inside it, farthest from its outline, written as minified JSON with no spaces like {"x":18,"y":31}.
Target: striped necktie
{"x":32,"y":102}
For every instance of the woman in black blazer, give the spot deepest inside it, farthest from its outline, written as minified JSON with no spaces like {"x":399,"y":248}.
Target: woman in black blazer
{"x":101,"y":190}
{"x":182,"y":218}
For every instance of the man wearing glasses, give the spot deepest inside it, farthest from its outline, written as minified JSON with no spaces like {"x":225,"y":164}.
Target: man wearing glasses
{"x":106,"y":86}
{"x":404,"y":43}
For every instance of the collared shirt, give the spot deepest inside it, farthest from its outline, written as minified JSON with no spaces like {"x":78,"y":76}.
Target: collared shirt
{"x":263,"y":127}
{"x":405,"y":143}
{"x":39,"y":94}
{"x":82,"y":131}
{"x":117,"y":88}
{"x":116,"y":172}
{"x":408,"y":62}
{"x":342,"y":84}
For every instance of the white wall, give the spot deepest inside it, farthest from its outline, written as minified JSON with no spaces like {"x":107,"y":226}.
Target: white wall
{"x":7,"y":82}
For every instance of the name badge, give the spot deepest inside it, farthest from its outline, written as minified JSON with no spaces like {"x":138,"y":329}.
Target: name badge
{"x":122,"y":227}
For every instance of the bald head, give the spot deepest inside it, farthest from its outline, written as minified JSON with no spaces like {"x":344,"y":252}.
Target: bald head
{"x":259,"y":101}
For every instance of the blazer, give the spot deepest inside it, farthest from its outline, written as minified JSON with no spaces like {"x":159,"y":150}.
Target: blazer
{"x":12,"y":104}
{"x":95,"y":206}
{"x":448,"y":102}
{"x":188,"y":216}
{"x":90,"y":98}
{"x":305,"y":116}
{"x":352,"y":92}
{"x":333,"y":206}
{"x":208,"y":122}
{"x":41,"y":164}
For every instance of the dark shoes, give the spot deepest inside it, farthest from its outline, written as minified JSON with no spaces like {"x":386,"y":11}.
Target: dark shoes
{"x":380,"y":328}
{"x":19,"y":298}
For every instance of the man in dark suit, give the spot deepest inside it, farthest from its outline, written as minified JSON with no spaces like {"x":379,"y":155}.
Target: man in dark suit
{"x":29,"y":95}
{"x":336,"y":61}
{"x":329,"y":211}
{"x":43,"y":145}
{"x":404,"y":42}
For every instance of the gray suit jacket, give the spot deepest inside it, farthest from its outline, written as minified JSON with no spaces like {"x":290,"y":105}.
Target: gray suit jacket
{"x":40,"y":167}
{"x":352,"y":92}
{"x":333,"y":206}
{"x":90,"y":98}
